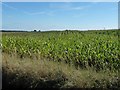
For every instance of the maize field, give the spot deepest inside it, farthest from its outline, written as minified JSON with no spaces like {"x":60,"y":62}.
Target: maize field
{"x":96,"y":49}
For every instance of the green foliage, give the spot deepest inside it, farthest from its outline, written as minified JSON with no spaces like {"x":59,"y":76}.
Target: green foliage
{"x":97,"y":49}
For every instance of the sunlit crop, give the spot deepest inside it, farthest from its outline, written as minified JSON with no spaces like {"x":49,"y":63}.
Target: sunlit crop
{"x":98,"y":49}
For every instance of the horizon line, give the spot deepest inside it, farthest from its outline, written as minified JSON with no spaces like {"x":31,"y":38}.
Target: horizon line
{"x":55,"y":29}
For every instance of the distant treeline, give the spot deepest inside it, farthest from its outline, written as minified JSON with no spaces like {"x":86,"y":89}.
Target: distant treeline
{"x":51,"y":30}
{"x":12,"y":31}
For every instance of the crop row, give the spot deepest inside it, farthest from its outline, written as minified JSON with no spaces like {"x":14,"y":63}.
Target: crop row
{"x":81,"y":49}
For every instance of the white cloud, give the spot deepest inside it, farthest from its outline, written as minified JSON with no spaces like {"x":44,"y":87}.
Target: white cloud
{"x":67,"y":6}
{"x":80,"y":7}
{"x":11,"y":7}
{"x":77,"y":8}
{"x":34,"y":13}
{"x":49,"y":13}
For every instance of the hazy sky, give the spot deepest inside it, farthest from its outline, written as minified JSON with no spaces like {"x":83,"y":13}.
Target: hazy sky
{"x":59,"y":15}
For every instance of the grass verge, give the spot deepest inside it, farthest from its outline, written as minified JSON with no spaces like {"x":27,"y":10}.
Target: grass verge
{"x":37,"y":73}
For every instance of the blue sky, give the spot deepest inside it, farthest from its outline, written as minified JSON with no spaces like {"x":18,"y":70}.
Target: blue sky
{"x":59,"y":15}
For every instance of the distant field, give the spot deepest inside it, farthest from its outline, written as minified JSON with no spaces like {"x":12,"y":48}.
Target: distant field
{"x":98,"y":50}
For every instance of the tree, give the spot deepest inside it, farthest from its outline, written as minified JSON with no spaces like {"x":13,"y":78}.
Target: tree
{"x":35,"y":30}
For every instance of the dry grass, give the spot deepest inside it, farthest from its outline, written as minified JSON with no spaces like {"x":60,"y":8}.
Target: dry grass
{"x":37,"y":73}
